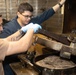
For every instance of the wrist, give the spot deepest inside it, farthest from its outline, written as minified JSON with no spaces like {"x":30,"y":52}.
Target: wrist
{"x":23,"y":29}
{"x":21,"y":32}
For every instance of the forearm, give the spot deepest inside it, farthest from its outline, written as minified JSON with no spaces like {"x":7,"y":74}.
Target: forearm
{"x":57,"y":6}
{"x":16,"y":36}
{"x":27,"y":38}
{"x":22,"y":45}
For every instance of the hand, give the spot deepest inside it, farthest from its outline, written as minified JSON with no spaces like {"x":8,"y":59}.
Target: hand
{"x":25,"y":28}
{"x":35,"y":27}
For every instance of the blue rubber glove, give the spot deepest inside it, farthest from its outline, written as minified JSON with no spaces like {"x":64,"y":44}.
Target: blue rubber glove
{"x":35,"y":27}
{"x":25,"y":28}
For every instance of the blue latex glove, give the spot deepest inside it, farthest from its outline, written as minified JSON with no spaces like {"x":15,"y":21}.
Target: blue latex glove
{"x":25,"y":28}
{"x":35,"y":27}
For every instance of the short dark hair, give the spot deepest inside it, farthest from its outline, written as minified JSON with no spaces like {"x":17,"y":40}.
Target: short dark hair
{"x":25,"y":7}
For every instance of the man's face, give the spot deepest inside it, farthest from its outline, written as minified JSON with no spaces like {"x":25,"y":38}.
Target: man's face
{"x":25,"y":17}
{"x":1,"y":27}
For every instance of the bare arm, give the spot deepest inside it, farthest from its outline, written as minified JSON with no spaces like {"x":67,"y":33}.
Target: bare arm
{"x":22,"y":45}
{"x":16,"y":36}
{"x":57,"y":6}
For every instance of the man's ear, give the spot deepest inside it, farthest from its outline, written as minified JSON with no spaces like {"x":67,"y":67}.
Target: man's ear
{"x":18,"y":14}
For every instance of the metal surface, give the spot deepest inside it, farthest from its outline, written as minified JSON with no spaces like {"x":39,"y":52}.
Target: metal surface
{"x":46,"y":71}
{"x":55,"y":62}
{"x":19,"y":69}
{"x":54,"y":36}
{"x":66,"y":51}
{"x":26,"y":61}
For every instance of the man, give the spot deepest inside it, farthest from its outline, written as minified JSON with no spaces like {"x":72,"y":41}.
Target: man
{"x":24,"y":17}
{"x":17,"y":45}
